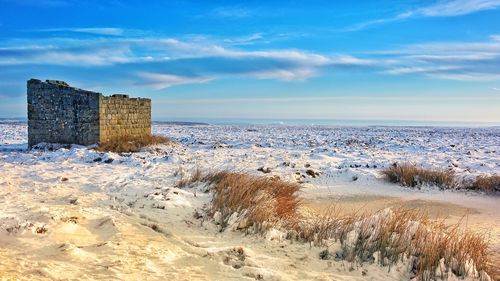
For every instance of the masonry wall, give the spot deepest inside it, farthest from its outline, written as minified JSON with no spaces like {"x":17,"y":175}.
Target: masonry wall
{"x":122,"y":116}
{"x":58,"y":113}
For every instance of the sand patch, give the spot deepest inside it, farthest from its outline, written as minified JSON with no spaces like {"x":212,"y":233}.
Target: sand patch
{"x":373,"y":203}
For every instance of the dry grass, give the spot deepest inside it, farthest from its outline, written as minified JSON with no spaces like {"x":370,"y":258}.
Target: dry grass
{"x":129,"y":144}
{"x":431,"y":248}
{"x":194,"y":177}
{"x":411,"y":175}
{"x":263,"y":200}
{"x":485,"y":183}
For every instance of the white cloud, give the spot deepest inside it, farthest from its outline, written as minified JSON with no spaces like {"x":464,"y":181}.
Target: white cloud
{"x":66,"y":55}
{"x":470,"y":76}
{"x":366,"y":24}
{"x":444,"y":8}
{"x":495,"y":89}
{"x":92,"y":30}
{"x":231,"y":12}
{"x":162,"y":81}
{"x":348,"y":60}
{"x":245,"y":40}
{"x":164,"y":62}
{"x":456,"y":8}
{"x":455,"y":57}
{"x":284,"y":74}
{"x":466,"y":61}
{"x":375,"y":98}
{"x":174,"y":57}
{"x":419,"y":70}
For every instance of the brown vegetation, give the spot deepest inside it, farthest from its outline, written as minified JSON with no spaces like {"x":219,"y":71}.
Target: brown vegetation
{"x":389,"y":236}
{"x":129,"y":144}
{"x":196,"y":176}
{"x":393,"y":235}
{"x":262,"y":199}
{"x":411,"y":175}
{"x":485,"y":183}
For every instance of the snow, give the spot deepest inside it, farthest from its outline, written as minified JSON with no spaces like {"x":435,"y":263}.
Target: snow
{"x":465,"y":150}
{"x":119,"y":216}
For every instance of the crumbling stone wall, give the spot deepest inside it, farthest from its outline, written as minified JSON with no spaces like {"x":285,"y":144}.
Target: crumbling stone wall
{"x":120,"y":115}
{"x":59,"y":113}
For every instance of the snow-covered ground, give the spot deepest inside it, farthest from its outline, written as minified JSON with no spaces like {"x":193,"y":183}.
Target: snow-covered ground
{"x":467,"y":151}
{"x":80,"y":214}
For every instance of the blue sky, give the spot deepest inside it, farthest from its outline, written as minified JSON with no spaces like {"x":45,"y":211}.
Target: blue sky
{"x":377,"y":60}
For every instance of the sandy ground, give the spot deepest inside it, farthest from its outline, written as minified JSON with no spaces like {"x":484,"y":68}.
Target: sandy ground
{"x":98,"y":225}
{"x":373,"y":203}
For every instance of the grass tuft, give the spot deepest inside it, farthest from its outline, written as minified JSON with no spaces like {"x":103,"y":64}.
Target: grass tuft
{"x":129,"y":144}
{"x":411,"y":175}
{"x":432,"y":249}
{"x":262,"y":199}
{"x":485,"y":183}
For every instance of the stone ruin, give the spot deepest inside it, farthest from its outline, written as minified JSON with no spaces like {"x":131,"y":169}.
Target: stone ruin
{"x":59,"y":113}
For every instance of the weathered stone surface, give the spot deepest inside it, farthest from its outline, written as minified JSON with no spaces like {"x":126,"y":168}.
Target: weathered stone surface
{"x":58,"y":113}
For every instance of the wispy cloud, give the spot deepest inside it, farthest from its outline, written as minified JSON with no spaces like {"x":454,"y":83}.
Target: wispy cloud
{"x":465,"y":61}
{"x":83,"y":55}
{"x":164,"y":62}
{"x":420,"y":70}
{"x":465,"y":76}
{"x":366,"y":24}
{"x":245,"y":40}
{"x":455,"y":8}
{"x":302,"y":99}
{"x":443,"y":8}
{"x":495,"y":89}
{"x":162,"y":81}
{"x":231,"y":12}
{"x":180,"y":61}
{"x":91,"y":30}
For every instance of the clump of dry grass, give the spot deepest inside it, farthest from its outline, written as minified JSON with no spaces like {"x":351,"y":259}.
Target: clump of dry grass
{"x":485,"y":183}
{"x":411,"y":175}
{"x":263,"y":200}
{"x":199,"y":176}
{"x":195,"y":176}
{"x":131,"y":144}
{"x":432,"y":249}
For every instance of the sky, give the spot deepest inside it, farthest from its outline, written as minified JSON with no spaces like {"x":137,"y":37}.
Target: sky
{"x":197,"y":60}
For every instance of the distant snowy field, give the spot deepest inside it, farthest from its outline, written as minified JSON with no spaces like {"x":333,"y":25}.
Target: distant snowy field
{"x":465,"y":150}
{"x":364,"y":150}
